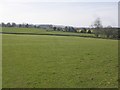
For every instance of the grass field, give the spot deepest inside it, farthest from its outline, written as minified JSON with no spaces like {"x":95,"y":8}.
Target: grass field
{"x":35,"y":61}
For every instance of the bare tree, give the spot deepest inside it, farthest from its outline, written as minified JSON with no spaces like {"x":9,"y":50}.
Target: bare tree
{"x":97,"y":25}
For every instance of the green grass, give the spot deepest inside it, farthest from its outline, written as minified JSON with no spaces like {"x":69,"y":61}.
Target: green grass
{"x":59,"y":62}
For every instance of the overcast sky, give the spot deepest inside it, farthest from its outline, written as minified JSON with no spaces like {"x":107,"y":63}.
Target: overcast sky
{"x":60,"y":12}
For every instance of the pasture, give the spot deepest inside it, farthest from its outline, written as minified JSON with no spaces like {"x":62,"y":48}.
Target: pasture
{"x":44,"y":61}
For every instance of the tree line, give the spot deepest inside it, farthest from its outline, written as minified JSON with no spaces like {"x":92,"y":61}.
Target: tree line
{"x":105,"y":32}
{"x":24,"y":25}
{"x":48,"y":27}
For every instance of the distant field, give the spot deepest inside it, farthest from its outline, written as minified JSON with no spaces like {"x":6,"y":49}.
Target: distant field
{"x":35,"y":61}
{"x":43,"y":31}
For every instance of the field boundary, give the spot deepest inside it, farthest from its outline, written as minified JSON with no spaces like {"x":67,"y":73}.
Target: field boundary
{"x":20,"y":33}
{"x":0,"y":59}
